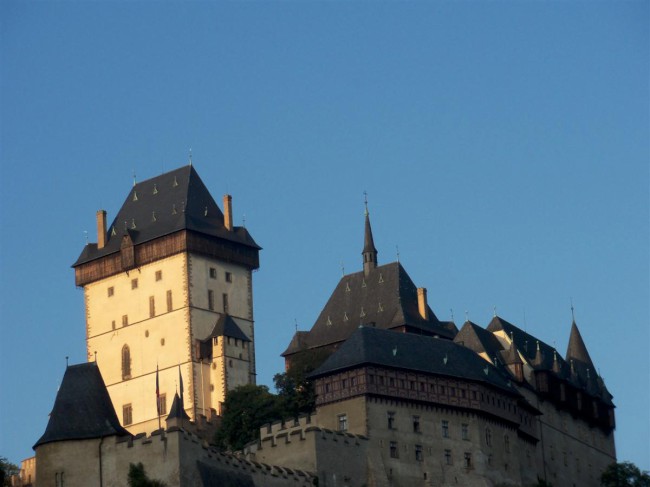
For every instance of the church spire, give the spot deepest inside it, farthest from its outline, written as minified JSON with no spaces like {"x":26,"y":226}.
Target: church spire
{"x":369,"y":251}
{"x":577,"y":350}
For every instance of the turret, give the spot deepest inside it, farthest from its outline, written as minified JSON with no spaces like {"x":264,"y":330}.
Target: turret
{"x":369,"y":251}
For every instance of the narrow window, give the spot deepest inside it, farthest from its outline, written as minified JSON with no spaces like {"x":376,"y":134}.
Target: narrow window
{"x":488,"y":436}
{"x":113,"y":324}
{"x":126,"y":362}
{"x":343,"y":422}
{"x":416,"y":424}
{"x":448,"y":460}
{"x":158,"y":275}
{"x":506,"y":442}
{"x":170,"y":305}
{"x":111,"y":291}
{"x":125,"y":320}
{"x":127,"y":414}
{"x":162,"y":404}
{"x":468,"y":460}
{"x":464,"y":432}
{"x":344,"y":383}
{"x":210,"y":299}
{"x":394,"y":452}
{"x":391,"y":420}
{"x":213,"y":273}
{"x":134,"y":283}
{"x":445,"y":428}
{"x":152,"y":307}
{"x":228,"y":277}
{"x":418,"y":453}
{"x":225,"y":303}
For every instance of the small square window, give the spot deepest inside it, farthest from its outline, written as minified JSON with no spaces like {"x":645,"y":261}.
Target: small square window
{"x":134,"y":283}
{"x":394,"y":452}
{"x":111,"y":291}
{"x":158,"y":275}
{"x":213,"y":273}
{"x":228,"y":277}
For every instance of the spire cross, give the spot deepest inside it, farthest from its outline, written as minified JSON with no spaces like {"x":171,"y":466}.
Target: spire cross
{"x":365,"y":201}
{"x":342,"y":268}
{"x":134,"y":181}
{"x":573,"y":316}
{"x":452,"y":314}
{"x":244,"y":221}
{"x":190,"y":156}
{"x":66,"y":361}
{"x":295,"y":321}
{"x":397,"y":249}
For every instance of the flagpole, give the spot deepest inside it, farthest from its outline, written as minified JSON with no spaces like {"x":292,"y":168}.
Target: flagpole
{"x":158,"y":398}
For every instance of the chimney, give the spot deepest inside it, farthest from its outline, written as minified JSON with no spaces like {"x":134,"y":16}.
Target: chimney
{"x":101,"y":229}
{"x":423,"y":308}
{"x":227,"y":212}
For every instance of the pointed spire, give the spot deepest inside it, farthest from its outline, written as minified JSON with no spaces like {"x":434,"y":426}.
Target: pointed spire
{"x":369,"y":251}
{"x":577,"y":349}
{"x":178,"y":409}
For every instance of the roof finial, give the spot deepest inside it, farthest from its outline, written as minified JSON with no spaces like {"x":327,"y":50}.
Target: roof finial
{"x":466,"y":315}
{"x":342,"y":268}
{"x":66,"y":361}
{"x":573,"y":316}
{"x":451,"y":310}
{"x":295,"y":322}
{"x":365,"y":202}
{"x":243,"y":221}
{"x":495,"y":311}
{"x":86,"y":235}
{"x":134,"y":181}
{"x":397,"y":250}
{"x":190,"y":157}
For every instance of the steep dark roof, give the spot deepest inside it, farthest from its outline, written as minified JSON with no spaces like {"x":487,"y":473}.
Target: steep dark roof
{"x":178,"y":409}
{"x":478,"y":339}
{"x":82,"y":408}
{"x":368,"y":240}
{"x":384,"y":298}
{"x":227,"y":327}
{"x":407,"y":351}
{"x":577,"y":350}
{"x":174,"y":201}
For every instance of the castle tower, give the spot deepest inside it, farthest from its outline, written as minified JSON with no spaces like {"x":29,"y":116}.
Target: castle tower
{"x":157,"y":284}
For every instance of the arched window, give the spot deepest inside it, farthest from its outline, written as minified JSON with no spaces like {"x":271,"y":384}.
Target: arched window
{"x":126,"y":362}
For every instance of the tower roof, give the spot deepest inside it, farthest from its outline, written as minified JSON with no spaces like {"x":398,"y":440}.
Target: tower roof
{"x":385,"y":297}
{"x":577,"y":350}
{"x":226,"y":326}
{"x":177,"y":410}
{"x":174,"y":201}
{"x":368,"y":241}
{"x":82,"y":408}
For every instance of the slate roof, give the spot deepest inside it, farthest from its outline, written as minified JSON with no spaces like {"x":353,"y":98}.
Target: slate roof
{"x":577,"y":350}
{"x":174,"y":201}
{"x":478,"y":339}
{"x":407,"y":351}
{"x":178,"y":409}
{"x":226,"y":326}
{"x":82,"y":408}
{"x":384,"y":298}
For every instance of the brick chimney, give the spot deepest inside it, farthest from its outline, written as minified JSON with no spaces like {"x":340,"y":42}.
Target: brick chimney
{"x":423,"y":307}
{"x":101,"y":229}
{"x":227,"y":211}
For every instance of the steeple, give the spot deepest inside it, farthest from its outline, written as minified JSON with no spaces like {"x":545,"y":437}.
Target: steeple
{"x":369,"y":251}
{"x":577,"y":350}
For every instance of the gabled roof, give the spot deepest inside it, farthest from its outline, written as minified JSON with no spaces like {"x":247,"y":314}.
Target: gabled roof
{"x":226,"y":326}
{"x":174,"y":201}
{"x":82,"y":408}
{"x":478,"y":339}
{"x":384,"y":298}
{"x":407,"y":351}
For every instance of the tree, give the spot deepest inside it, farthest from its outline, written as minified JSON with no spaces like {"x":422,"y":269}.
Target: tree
{"x":624,"y":474}
{"x":138,"y":477}
{"x":7,"y":469}
{"x":296,"y":391}
{"x":245,"y":410}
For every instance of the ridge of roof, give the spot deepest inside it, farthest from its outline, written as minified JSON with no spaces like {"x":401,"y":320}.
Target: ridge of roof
{"x":226,"y":326}
{"x":406,"y":351}
{"x":82,"y":408}
{"x":162,"y":205}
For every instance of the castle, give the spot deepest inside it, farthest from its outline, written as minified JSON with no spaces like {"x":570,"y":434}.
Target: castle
{"x":402,"y":398}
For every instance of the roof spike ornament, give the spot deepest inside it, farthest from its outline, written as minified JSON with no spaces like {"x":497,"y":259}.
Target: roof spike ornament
{"x":134,"y":181}
{"x":369,"y":250}
{"x":573,"y":315}
{"x":495,"y":311}
{"x":190,"y":157}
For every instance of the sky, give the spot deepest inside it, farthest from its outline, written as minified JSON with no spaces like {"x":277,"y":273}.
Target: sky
{"x":504,"y":147}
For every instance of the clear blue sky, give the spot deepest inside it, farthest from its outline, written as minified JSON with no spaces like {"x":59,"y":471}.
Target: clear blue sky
{"x":503,"y":145}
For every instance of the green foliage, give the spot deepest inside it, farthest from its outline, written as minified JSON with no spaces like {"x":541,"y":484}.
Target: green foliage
{"x":7,"y":469}
{"x":138,"y":477}
{"x":246,"y":409}
{"x":624,"y":474}
{"x":296,"y":392}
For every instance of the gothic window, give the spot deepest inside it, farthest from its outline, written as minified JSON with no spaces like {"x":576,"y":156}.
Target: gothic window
{"x":126,"y":362}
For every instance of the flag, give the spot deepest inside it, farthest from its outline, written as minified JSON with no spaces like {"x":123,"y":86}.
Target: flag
{"x":157,"y":392}
{"x":180,"y":381}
